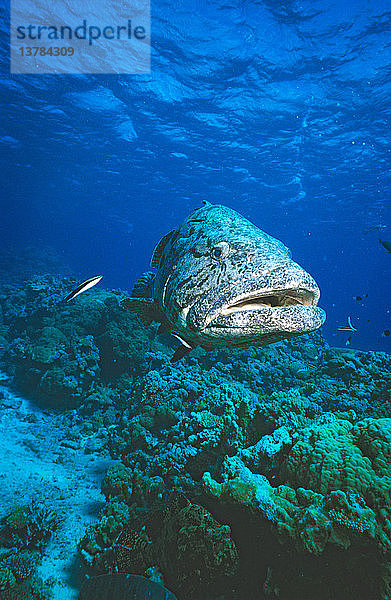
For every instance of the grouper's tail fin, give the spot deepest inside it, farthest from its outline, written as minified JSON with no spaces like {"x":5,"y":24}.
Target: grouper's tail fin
{"x":142,"y":302}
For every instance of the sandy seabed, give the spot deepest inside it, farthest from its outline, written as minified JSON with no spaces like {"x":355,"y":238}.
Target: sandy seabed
{"x":38,"y":461}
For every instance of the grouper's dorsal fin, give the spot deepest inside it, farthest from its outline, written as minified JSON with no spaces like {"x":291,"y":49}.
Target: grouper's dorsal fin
{"x":157,"y":253}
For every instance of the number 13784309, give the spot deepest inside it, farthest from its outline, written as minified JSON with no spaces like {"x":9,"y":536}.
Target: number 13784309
{"x":50,"y":51}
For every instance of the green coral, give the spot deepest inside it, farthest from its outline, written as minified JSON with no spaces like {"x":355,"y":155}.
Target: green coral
{"x":341,"y":456}
{"x":48,"y":345}
{"x":98,"y":545}
{"x":344,"y":514}
{"x":295,"y":514}
{"x":346,"y":471}
{"x":311,"y":520}
{"x":282,"y":408}
{"x":242,"y":489}
{"x":116,"y":482}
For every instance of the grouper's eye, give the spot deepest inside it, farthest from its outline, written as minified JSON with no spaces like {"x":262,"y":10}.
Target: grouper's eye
{"x":220,"y":250}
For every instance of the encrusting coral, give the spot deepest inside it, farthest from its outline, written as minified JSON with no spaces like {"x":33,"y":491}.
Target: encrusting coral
{"x":343,"y":457}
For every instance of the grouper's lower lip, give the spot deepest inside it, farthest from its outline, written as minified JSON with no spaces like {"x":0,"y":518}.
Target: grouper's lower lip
{"x":268,"y":320}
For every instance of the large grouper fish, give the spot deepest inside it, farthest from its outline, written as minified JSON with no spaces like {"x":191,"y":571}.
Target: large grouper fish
{"x":222,"y":282}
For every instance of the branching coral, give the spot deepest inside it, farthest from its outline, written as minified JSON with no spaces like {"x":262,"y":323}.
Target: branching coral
{"x":18,"y":578}
{"x":29,"y":526}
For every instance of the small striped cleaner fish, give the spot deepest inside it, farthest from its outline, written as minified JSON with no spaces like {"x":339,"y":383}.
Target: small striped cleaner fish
{"x":86,"y":285}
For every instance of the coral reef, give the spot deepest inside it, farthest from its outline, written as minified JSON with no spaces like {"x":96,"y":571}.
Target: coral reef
{"x":18,"y":579}
{"x":183,"y":542}
{"x":254,"y":474}
{"x":61,"y":353}
{"x":25,"y":530}
{"x":29,"y":527}
{"x":116,"y":482}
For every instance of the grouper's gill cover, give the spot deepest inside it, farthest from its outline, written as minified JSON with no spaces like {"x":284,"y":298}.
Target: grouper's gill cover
{"x":222,"y":282}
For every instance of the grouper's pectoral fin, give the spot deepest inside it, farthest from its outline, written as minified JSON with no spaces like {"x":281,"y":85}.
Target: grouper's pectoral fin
{"x":142,"y":301}
{"x":164,"y":327}
{"x":143,"y":288}
{"x":144,"y":308}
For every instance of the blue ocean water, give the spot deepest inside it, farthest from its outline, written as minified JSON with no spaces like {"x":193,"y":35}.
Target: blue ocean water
{"x":279,"y":110}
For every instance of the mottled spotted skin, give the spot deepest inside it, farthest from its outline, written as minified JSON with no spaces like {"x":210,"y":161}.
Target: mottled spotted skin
{"x":217,"y":257}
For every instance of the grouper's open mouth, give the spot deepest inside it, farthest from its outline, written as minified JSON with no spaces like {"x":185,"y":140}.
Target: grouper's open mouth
{"x":299,"y":297}
{"x":281,"y":311}
{"x":283,"y":301}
